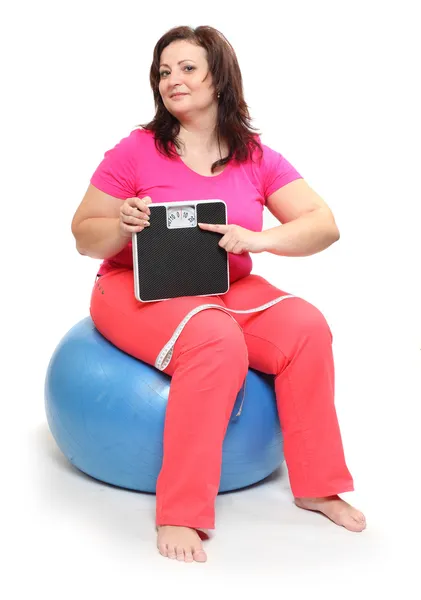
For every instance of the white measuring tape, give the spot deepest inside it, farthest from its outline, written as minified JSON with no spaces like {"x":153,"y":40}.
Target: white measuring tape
{"x":164,"y":357}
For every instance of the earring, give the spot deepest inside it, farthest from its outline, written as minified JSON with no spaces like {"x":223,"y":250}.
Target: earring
{"x":219,"y":95}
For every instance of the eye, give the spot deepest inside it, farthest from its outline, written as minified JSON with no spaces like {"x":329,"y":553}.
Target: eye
{"x":189,"y":67}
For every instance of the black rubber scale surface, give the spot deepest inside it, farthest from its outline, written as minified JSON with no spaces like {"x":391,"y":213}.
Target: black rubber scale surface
{"x":181,"y":262}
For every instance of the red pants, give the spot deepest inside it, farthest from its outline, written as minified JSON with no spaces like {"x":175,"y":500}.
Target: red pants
{"x":290,"y":340}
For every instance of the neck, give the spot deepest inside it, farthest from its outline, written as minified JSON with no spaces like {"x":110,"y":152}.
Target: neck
{"x":199,"y":132}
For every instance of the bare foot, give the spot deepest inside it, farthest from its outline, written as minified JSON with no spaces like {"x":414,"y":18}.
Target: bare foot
{"x":181,"y":543}
{"x":336,"y":509}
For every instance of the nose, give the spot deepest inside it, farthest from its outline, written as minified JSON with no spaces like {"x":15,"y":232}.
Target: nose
{"x":174,"y":79}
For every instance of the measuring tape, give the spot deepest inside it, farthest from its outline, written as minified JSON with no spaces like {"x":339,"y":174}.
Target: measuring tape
{"x":164,"y":357}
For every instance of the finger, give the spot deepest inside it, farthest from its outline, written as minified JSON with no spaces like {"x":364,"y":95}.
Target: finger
{"x":232,"y":245}
{"x":223,"y":242}
{"x":131,"y":219}
{"x":237,"y":248}
{"x":140,"y":213}
{"x":130,"y":229}
{"x":208,"y":226}
{"x":136,"y":221}
{"x":142,"y":204}
{"x":229,"y":246}
{"x":134,"y":201}
{"x":137,"y":204}
{"x":214,"y":227}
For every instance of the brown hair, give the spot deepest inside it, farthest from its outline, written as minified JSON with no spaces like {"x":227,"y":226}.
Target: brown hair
{"x":233,"y":121}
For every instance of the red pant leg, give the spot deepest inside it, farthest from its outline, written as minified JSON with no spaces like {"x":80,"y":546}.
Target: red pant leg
{"x":208,"y":367}
{"x":292,"y":341}
{"x":208,"y":374}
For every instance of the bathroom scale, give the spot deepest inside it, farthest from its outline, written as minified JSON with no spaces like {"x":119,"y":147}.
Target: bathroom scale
{"x":173,"y":257}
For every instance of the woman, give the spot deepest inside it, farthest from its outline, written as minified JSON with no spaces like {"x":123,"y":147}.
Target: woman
{"x":200,"y":145}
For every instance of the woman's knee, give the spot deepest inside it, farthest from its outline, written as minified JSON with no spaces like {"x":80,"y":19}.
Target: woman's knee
{"x":296,"y":319}
{"x":216,"y":330}
{"x":311,"y":321}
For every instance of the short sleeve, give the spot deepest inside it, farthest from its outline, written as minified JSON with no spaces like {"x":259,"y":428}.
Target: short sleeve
{"x":276,"y":171}
{"x":116,"y":174}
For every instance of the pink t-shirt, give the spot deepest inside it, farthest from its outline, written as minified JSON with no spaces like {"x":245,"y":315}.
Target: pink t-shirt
{"x":134,"y":167}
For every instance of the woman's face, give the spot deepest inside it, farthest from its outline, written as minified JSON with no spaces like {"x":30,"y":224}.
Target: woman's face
{"x":184,"y":70}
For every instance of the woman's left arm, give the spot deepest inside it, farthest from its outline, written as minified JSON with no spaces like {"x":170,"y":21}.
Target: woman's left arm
{"x":308,"y":225}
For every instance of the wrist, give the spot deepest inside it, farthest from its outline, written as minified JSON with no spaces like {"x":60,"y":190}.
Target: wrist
{"x":125,"y":236}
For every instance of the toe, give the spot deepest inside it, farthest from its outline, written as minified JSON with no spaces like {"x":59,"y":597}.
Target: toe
{"x":180,"y":554}
{"x":163,"y":549}
{"x":359,"y":520}
{"x":188,"y":556}
{"x":199,"y":555}
{"x":171,"y":552}
{"x":353,"y":524}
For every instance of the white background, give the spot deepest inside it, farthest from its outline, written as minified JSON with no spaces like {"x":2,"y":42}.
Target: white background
{"x":333,"y":87}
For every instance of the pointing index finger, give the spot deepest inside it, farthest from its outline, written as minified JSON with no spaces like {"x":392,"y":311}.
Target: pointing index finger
{"x":212,"y":226}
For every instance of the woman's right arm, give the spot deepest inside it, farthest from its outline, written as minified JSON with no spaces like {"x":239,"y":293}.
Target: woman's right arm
{"x":103,"y":225}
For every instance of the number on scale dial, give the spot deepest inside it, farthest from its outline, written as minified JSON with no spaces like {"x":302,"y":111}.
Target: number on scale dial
{"x":181,"y":216}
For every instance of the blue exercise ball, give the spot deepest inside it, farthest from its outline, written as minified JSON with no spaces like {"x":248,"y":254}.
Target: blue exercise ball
{"x":106,"y":412}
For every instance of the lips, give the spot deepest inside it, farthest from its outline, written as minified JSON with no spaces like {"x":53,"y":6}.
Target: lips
{"x":176,"y":95}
